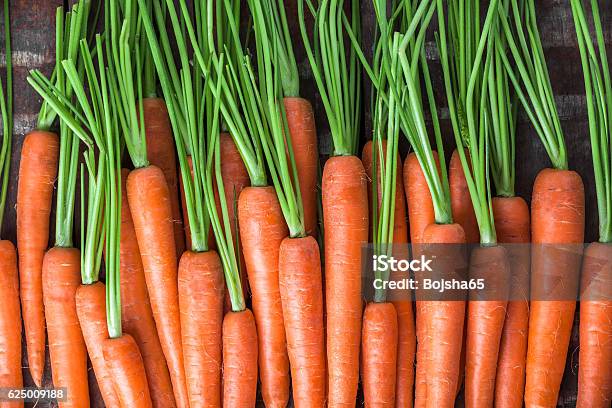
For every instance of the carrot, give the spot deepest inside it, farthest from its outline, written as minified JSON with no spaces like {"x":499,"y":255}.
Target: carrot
{"x":37,"y":173}
{"x":303,"y":132}
{"x":379,"y":334}
{"x":485,"y":322}
{"x":149,"y":200}
{"x":10,"y":322}
{"x":239,"y":360}
{"x":235,"y":179}
{"x":91,"y":310}
{"x":405,"y":320}
{"x":302,"y":300}
{"x":594,"y":371}
{"x":511,"y":216}
{"x":557,"y":217}
{"x":260,"y":215}
{"x":136,"y":315}
{"x":61,"y":279}
{"x":201,"y":289}
{"x":160,"y":150}
{"x":441,"y":327}
{"x":345,"y":214}
{"x":420,"y":215}
{"x":126,"y":368}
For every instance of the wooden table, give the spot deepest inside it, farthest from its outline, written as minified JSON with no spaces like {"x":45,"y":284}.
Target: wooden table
{"x":33,"y":23}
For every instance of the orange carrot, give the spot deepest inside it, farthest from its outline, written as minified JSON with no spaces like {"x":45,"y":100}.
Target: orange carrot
{"x":511,"y":216}
{"x":379,"y":354}
{"x":345,"y":212}
{"x":149,"y":200}
{"x":160,"y":151}
{"x":595,"y":369}
{"x":302,"y":300}
{"x":37,"y":173}
{"x":126,"y":368}
{"x":262,"y":228}
{"x":61,"y":279}
{"x":557,"y":217}
{"x":239,"y":360}
{"x":235,"y":179}
{"x":421,"y":214}
{"x":303,"y":132}
{"x":91,"y":310}
{"x":10,"y":322}
{"x":406,"y":347}
{"x":136,"y":315}
{"x":485,"y":323}
{"x":201,"y":288}
{"x":440,"y":325}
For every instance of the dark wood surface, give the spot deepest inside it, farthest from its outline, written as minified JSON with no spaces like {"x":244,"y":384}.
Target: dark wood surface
{"x":32,"y":23}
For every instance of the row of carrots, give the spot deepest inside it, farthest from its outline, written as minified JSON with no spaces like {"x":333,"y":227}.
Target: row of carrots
{"x":172,"y":86}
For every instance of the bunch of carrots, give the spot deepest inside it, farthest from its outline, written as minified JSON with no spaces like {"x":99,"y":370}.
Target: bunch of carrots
{"x":218,"y":262}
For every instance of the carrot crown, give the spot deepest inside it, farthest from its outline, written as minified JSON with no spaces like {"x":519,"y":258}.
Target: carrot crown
{"x":532,"y":84}
{"x":335,"y":69}
{"x":466,"y":79}
{"x":71,"y":28}
{"x":502,"y":108}
{"x":6,"y":107}
{"x":598,"y":88}
{"x":267,"y":97}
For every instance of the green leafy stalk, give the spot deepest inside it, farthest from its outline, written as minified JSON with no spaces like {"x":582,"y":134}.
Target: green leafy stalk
{"x":226,"y":246}
{"x":503,"y":113}
{"x":466,"y":76}
{"x":267,"y":99}
{"x":336,"y":70}
{"x":6,"y":107}
{"x":73,"y":28}
{"x":188,"y":107}
{"x":532,"y":83}
{"x":598,"y":88}
{"x":386,"y":126}
{"x":405,"y":85}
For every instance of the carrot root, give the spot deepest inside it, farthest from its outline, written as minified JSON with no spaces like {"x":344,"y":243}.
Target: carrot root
{"x":136,"y":314}
{"x":61,"y":279}
{"x":262,"y":229}
{"x":37,"y":173}
{"x":149,"y":201}
{"x":302,"y":300}
{"x":127,"y":371}
{"x":201,"y":288}
{"x":345,"y":213}
{"x":239,"y":360}
{"x":10,"y":322}
{"x":379,"y":348}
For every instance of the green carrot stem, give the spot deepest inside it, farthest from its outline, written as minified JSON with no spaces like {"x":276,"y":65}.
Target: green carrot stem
{"x":6,"y":107}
